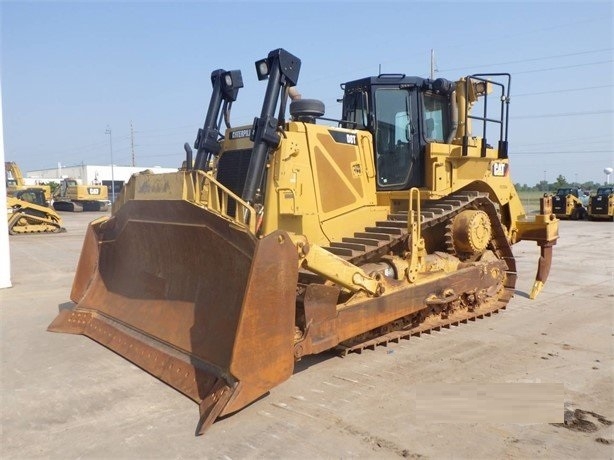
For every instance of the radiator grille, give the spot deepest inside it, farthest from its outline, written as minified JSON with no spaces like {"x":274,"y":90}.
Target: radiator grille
{"x":232,"y":171}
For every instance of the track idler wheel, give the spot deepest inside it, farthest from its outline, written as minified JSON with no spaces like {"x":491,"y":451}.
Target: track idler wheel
{"x":470,"y":232}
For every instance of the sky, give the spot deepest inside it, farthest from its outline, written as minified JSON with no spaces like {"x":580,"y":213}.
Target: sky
{"x":71,"y":72}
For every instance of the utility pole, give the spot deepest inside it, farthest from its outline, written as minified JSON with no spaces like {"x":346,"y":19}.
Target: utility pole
{"x":432,"y":64}
{"x":132,"y":143}
{"x":108,"y":131}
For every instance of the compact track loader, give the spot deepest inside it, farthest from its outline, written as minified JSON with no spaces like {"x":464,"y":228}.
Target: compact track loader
{"x":601,"y":204}
{"x":566,"y":204}
{"x":295,"y":236}
{"x":27,"y":212}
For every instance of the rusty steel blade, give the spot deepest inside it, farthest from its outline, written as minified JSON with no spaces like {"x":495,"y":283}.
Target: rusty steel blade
{"x":192,"y":299}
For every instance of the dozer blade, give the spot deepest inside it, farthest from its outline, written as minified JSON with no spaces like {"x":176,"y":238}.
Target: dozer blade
{"x":191,"y":298}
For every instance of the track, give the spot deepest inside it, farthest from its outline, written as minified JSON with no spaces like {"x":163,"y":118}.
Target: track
{"x":33,"y":224}
{"x":391,"y":235}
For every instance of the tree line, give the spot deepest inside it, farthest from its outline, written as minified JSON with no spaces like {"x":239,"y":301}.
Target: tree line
{"x":560,"y":182}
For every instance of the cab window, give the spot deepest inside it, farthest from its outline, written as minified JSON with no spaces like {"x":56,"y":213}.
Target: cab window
{"x":355,"y":110}
{"x":392,"y":136}
{"x":436,"y":118}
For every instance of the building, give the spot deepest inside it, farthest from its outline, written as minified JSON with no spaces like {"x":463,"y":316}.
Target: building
{"x":93,"y":174}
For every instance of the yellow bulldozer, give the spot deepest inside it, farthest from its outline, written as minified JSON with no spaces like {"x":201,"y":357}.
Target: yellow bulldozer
{"x":297,"y":235}
{"x":27,"y":212}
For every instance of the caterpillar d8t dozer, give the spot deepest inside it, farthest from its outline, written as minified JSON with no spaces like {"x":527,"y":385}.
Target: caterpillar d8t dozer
{"x":294,"y":236}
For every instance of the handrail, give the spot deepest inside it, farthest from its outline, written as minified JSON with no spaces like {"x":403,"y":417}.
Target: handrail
{"x":214,"y":196}
{"x":416,"y":243}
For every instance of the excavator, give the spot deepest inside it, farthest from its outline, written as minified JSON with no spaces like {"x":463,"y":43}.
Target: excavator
{"x":72,"y":196}
{"x":301,"y":234}
{"x":27,"y":212}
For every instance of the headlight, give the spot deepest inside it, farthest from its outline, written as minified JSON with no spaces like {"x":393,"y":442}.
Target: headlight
{"x":262,"y":69}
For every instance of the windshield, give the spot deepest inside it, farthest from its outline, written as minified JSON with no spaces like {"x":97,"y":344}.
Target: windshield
{"x":605,"y":190}
{"x":563,"y":192}
{"x":392,"y":136}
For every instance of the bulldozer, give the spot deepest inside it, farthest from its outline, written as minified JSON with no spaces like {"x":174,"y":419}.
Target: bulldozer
{"x":27,"y":212}
{"x":15,"y":182}
{"x":72,"y":196}
{"x":601,"y":204}
{"x":567,"y":204}
{"x":297,"y":235}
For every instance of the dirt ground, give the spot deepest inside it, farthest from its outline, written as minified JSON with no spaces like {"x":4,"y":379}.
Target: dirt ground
{"x":534,"y":381}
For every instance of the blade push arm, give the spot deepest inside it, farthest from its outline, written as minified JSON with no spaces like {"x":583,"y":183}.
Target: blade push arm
{"x":225,"y":89}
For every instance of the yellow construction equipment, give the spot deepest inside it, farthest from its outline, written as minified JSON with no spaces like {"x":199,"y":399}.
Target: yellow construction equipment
{"x":294,"y":236}
{"x":567,"y":204}
{"x":601,"y":204}
{"x":15,"y":181}
{"x":27,"y":212}
{"x":74,"y":197}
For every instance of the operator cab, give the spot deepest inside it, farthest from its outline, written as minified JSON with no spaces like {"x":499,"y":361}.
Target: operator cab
{"x":567,"y":191}
{"x":403,"y":114}
{"x":32,"y":195}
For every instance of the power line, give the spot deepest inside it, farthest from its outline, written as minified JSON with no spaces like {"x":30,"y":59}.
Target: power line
{"x":568,"y":142}
{"x":556,"y":115}
{"x":542,"y":58}
{"x":564,"y":67}
{"x":567,"y":90}
{"x":141,"y":131}
{"x":553,"y":152}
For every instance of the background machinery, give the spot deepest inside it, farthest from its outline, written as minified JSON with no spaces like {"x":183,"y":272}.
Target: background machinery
{"x":27,"y":212}
{"x":74,"y":197}
{"x":601,"y":205}
{"x":567,"y":204}
{"x":291,"y":237}
{"x":15,"y":182}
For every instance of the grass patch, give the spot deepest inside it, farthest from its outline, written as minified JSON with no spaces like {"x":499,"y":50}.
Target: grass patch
{"x":530,"y":200}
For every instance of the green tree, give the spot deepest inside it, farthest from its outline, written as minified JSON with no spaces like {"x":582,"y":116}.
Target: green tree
{"x":53,"y":186}
{"x":543,"y":186}
{"x":561,"y":182}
